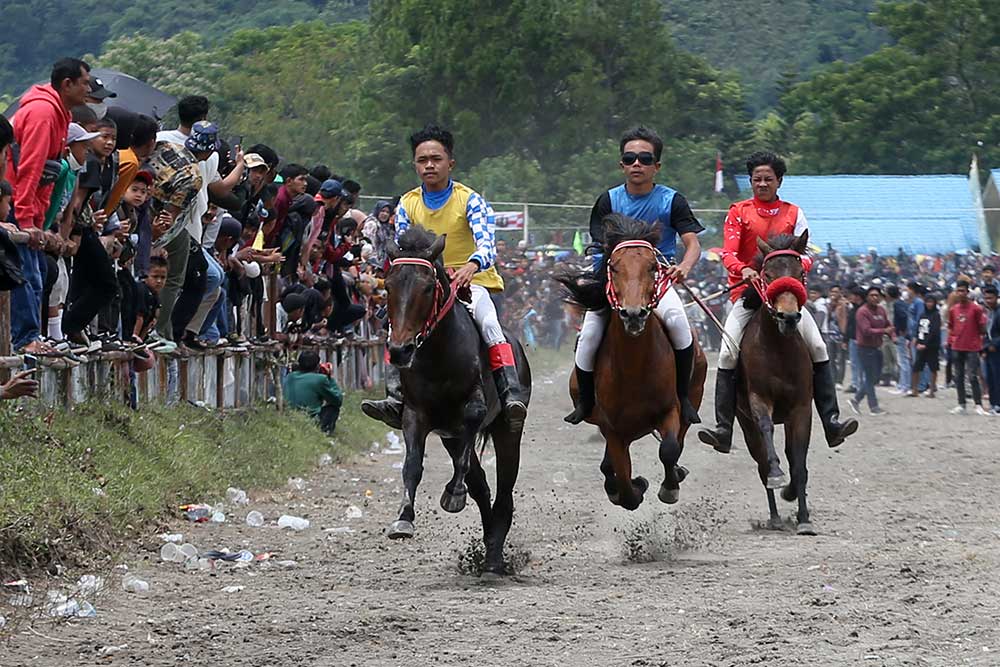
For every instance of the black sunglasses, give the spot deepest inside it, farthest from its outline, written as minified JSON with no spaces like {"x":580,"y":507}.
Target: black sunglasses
{"x":645,"y":158}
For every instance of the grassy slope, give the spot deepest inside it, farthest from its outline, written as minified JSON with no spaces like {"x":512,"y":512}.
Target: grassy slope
{"x":79,"y":483}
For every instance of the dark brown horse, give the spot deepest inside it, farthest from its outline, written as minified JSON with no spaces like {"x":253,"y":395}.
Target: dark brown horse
{"x":776,"y":374}
{"x":448,"y":390}
{"x":634,"y":376}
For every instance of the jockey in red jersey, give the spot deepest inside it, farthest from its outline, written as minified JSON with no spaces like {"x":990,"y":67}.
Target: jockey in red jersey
{"x":763,"y":216}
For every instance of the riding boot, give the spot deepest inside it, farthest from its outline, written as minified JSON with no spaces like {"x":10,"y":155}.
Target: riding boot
{"x":585,"y":397}
{"x":684,"y":360}
{"x":390,"y":409}
{"x":825,"y":396}
{"x":512,"y":395}
{"x":725,"y":412}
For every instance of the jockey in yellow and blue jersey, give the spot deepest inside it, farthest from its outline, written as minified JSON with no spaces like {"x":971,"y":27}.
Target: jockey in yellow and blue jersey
{"x":640,"y":198}
{"x":444,"y":206}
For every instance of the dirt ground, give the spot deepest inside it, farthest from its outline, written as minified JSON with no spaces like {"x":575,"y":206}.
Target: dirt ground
{"x":904,"y":571}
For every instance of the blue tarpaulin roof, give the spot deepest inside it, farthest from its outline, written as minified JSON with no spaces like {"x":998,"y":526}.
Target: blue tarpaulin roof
{"x":921,"y":214}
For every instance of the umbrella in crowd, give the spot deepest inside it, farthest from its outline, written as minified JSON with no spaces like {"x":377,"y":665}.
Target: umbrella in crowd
{"x":130,"y":94}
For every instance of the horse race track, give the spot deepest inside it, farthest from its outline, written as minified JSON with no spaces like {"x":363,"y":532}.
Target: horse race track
{"x":905,"y":570}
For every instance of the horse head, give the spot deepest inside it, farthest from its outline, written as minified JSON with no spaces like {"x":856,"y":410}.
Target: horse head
{"x":784,"y":278}
{"x":634,"y":270}
{"x":416,"y":285}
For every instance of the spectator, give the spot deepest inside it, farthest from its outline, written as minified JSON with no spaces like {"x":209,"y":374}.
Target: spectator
{"x":872,"y":326}
{"x":991,"y":347}
{"x":40,"y":129}
{"x":989,"y":277}
{"x":143,"y":142}
{"x":927,"y":346}
{"x":900,"y":323}
{"x":314,"y":391}
{"x":293,"y":184}
{"x":20,"y":384}
{"x":966,"y":326}
{"x":148,"y":303}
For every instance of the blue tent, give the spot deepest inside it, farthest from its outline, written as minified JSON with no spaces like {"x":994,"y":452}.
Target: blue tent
{"x":921,"y":214}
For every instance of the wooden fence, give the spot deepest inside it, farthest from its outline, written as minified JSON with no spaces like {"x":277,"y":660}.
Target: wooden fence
{"x":218,"y":378}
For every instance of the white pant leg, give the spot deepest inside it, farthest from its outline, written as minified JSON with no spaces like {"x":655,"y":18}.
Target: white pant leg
{"x":61,"y":288}
{"x":591,"y":334}
{"x":813,"y":338}
{"x":736,"y":322}
{"x":671,"y":312}
{"x":484,"y":312}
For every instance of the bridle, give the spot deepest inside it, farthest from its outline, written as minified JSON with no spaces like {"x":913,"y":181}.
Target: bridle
{"x":663,"y":278}
{"x":442,"y":304}
{"x":769,"y":290}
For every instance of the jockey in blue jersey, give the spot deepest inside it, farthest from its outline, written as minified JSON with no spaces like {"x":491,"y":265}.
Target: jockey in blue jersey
{"x":640,"y":198}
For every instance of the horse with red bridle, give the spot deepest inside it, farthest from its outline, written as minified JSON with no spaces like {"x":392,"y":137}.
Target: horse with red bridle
{"x":635,"y":379}
{"x":776,"y":374}
{"x":448,"y":390}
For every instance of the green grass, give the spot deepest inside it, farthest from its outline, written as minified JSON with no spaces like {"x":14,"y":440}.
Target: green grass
{"x":545,"y":360}
{"x":74,"y":485}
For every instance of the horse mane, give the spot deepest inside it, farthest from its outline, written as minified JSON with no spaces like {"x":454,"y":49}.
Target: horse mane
{"x":751,"y":300}
{"x":587,"y":288}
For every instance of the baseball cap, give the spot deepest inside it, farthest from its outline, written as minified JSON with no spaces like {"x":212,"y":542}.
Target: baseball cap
{"x":76,"y":132}
{"x":204,"y":137}
{"x":145,"y":176}
{"x":98,"y":91}
{"x":331,"y":188}
{"x":253,"y":160}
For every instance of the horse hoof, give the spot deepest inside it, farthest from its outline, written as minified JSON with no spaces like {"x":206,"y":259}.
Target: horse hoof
{"x":401,"y":530}
{"x":517,"y":412}
{"x":775,"y":523}
{"x":614,"y":498}
{"x":453,"y":503}
{"x":492,"y":575}
{"x":681,"y":473}
{"x":776,"y":480}
{"x":668,"y":496}
{"x":641,"y":484}
{"x":805,"y":529}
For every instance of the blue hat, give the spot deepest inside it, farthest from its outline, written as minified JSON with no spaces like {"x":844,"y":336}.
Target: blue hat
{"x":331,"y":188}
{"x":204,"y":137}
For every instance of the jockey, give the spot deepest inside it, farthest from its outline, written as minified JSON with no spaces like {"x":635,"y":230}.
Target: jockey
{"x":640,"y":198}
{"x":758,"y":218}
{"x":444,"y":206}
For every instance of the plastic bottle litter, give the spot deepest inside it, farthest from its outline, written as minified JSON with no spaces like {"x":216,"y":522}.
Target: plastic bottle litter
{"x":86,"y":610}
{"x":218,"y":517}
{"x":233,"y":589}
{"x":72,"y":608}
{"x":237,"y":496}
{"x":199,"y":513}
{"x":287,"y":564}
{"x":111,"y":650}
{"x":255,"y":519}
{"x":296,"y":484}
{"x":133,"y":584}
{"x":560,"y":478}
{"x":89,"y":584}
{"x":340,"y":530}
{"x":189,"y":550}
{"x":354,"y":512}
{"x":325,"y":459}
{"x":176,"y":538}
{"x":200,"y":564}
{"x":395,"y":446}
{"x":21,"y":600}
{"x":293,"y":522}
{"x":171,"y":553}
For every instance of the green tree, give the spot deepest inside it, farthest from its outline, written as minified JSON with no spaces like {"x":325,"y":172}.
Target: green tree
{"x":180,"y":65}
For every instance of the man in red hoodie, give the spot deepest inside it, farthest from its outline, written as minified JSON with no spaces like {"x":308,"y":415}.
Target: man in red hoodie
{"x":40,"y":127}
{"x":966,"y":326}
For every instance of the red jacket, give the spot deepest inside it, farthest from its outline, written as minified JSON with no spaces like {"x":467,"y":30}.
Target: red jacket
{"x":40,"y":127}
{"x":966,"y":326}
{"x":746,"y":222}
{"x":873,"y":324}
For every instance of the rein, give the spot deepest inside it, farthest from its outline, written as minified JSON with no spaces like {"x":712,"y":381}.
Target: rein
{"x":768,"y":291}
{"x":440,"y":310}
{"x":663,"y":280}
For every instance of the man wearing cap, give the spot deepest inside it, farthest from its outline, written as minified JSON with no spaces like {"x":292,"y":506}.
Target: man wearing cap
{"x":40,"y":128}
{"x":332,"y":208}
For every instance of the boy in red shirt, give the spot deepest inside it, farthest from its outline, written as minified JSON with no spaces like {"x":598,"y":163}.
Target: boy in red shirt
{"x":966,"y":326}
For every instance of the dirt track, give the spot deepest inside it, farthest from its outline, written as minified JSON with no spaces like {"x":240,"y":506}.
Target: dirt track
{"x":904,"y":571}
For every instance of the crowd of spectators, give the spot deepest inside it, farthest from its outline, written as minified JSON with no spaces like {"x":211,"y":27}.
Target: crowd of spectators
{"x":121,"y":236}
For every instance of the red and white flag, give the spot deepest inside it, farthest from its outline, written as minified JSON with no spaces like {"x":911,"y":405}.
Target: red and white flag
{"x":718,"y":173}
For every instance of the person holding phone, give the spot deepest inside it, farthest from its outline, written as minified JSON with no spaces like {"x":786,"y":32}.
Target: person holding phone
{"x":20,"y":384}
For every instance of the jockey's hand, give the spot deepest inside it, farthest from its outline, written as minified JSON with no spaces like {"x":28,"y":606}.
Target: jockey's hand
{"x":678,"y":272}
{"x":463,"y":277}
{"x":749,"y":274}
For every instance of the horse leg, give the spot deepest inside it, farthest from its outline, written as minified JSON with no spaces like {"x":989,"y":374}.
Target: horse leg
{"x":610,"y":481}
{"x":461,"y":449}
{"x":415,"y":435}
{"x":630,"y":491}
{"x":670,"y":453}
{"x":508,"y":449}
{"x":797,"y":432}
{"x":775,"y":478}
{"x":758,"y":450}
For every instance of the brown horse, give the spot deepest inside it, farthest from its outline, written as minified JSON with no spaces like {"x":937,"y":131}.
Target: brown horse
{"x":635,"y":376}
{"x":776,"y":374}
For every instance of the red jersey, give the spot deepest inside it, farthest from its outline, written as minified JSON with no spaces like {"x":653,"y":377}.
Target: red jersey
{"x":748,"y":221}
{"x":966,"y":326}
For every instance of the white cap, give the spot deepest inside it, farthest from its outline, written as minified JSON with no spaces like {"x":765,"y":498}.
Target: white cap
{"x":77,"y":133}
